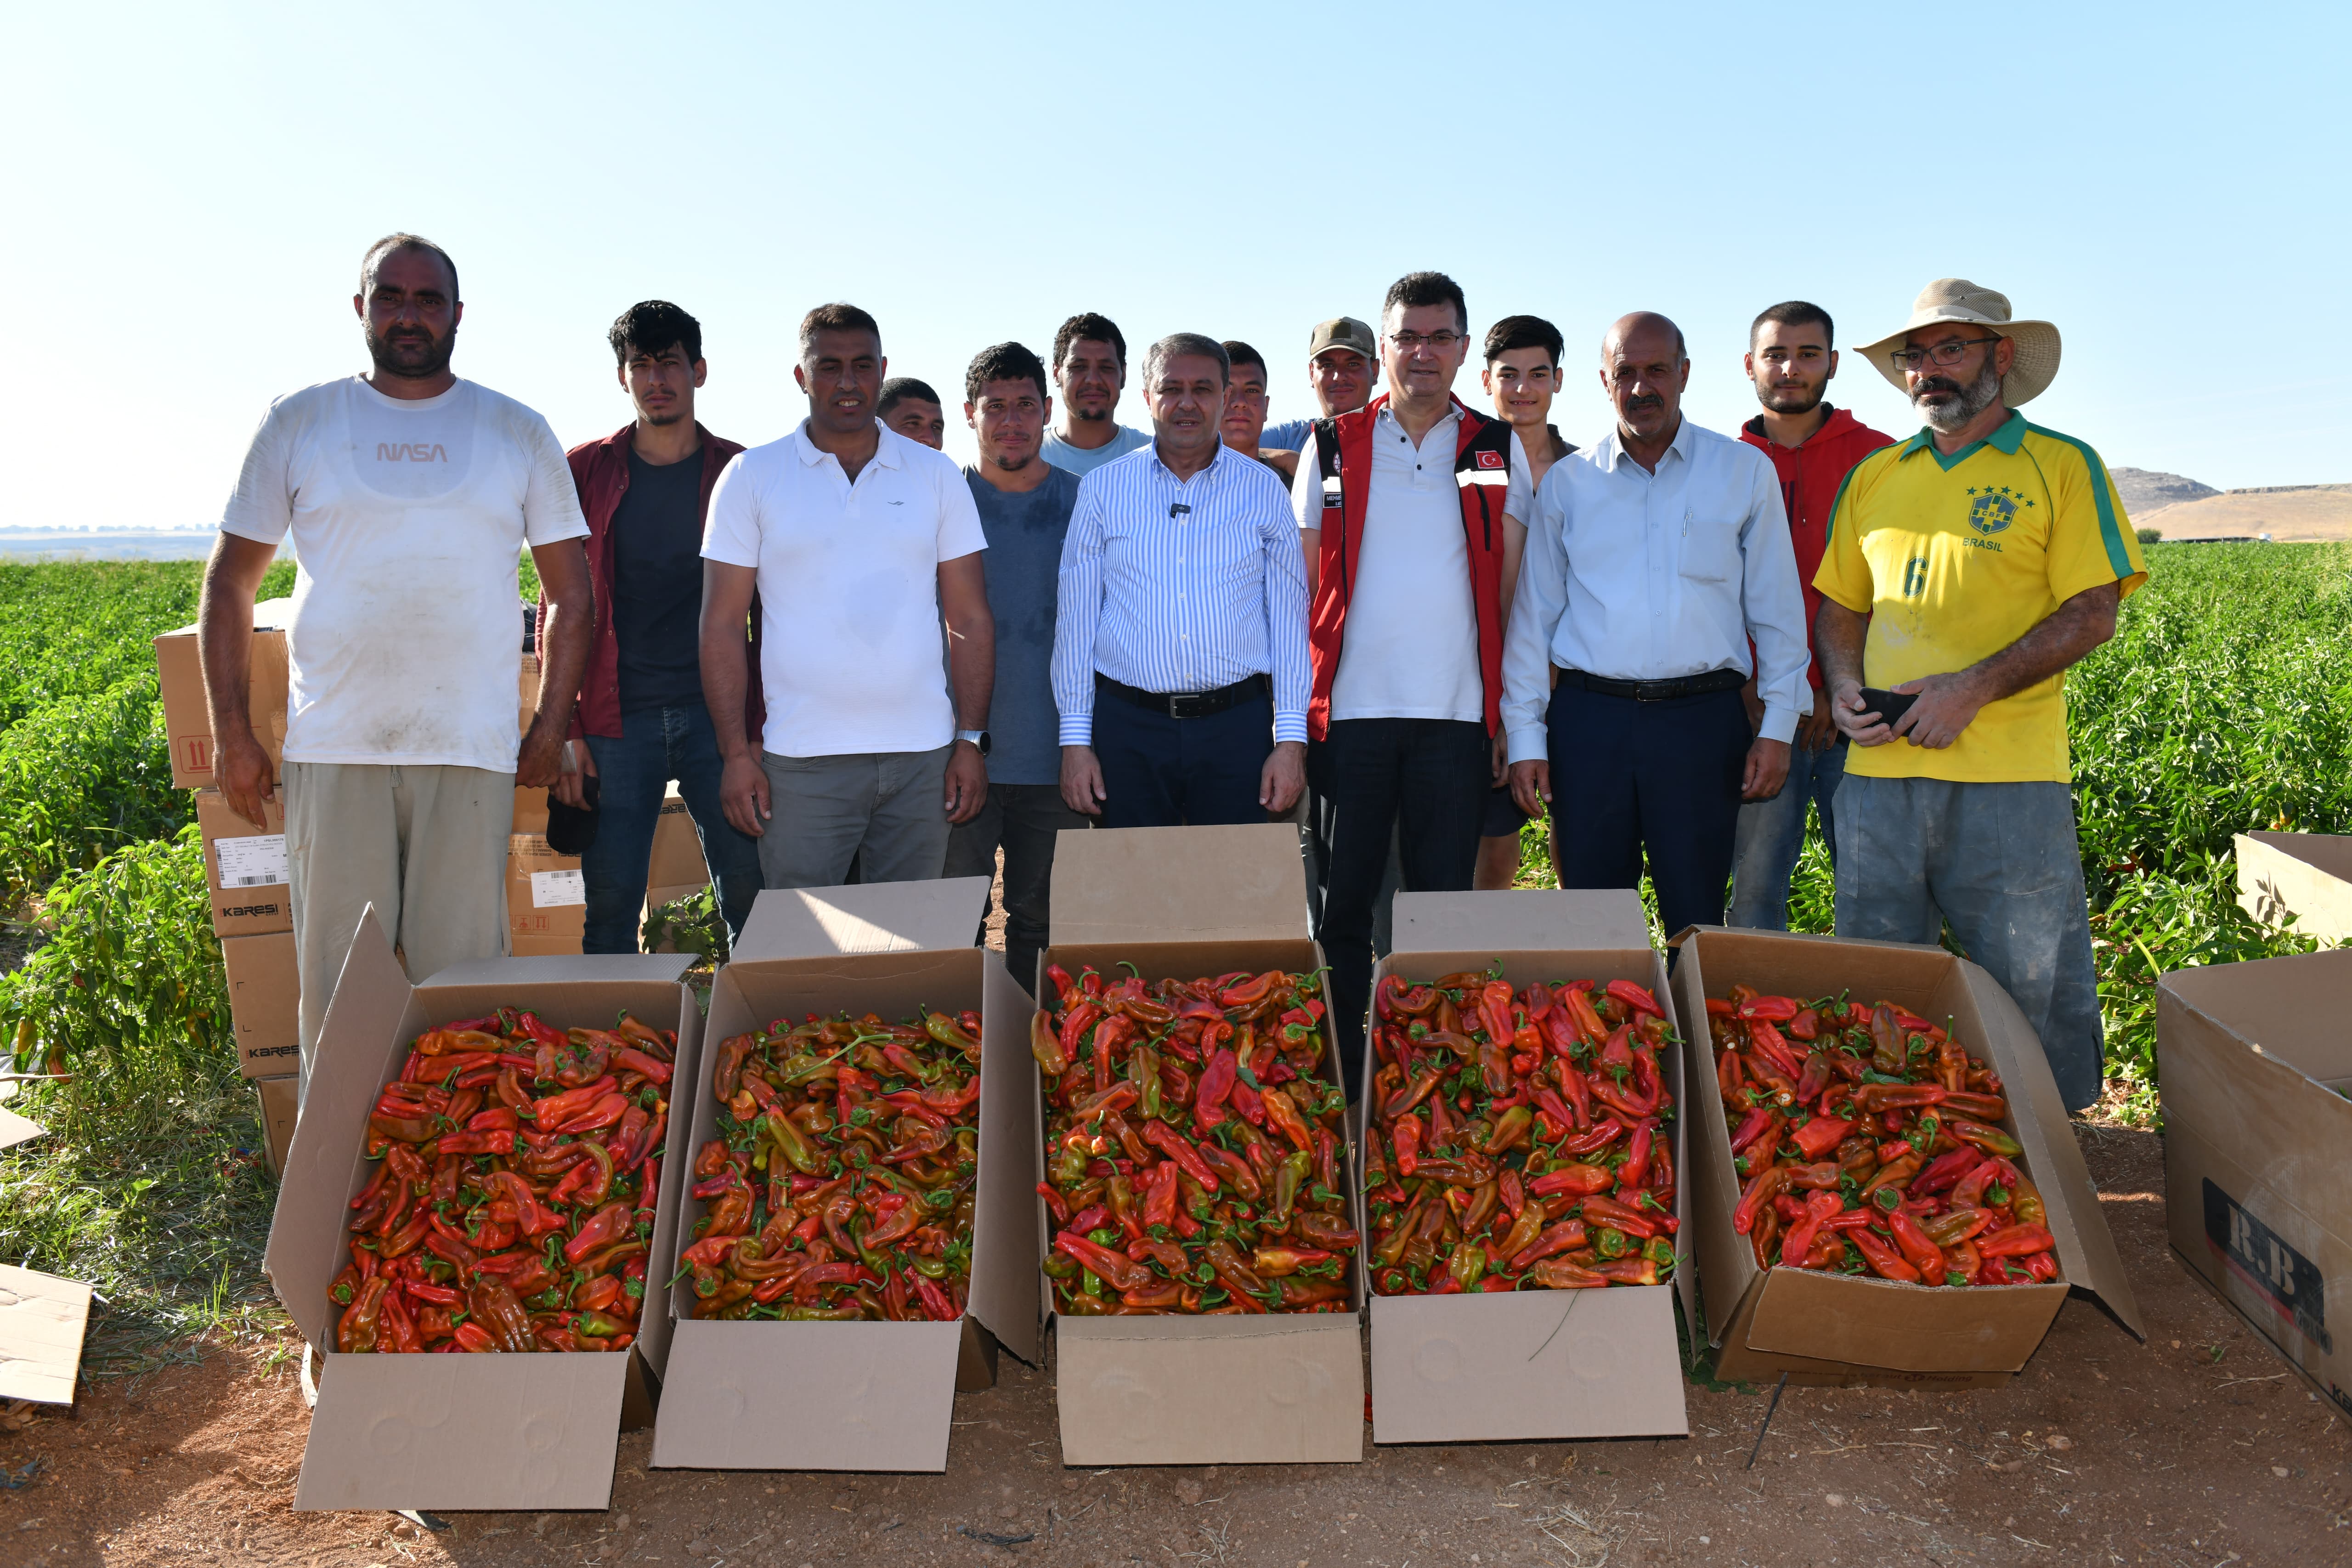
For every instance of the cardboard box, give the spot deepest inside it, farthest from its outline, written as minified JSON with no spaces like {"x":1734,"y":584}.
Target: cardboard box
{"x":862,"y":1396}
{"x":280,"y":1103}
{"x":264,"y":1003}
{"x":187,"y":721}
{"x":547,"y":900}
{"x":42,"y":1319}
{"x":524,"y":1432}
{"x":245,"y":867}
{"x":527,"y":693}
{"x":1533,"y":1364}
{"x":676,"y":860}
{"x":1182,"y":902}
{"x":2306,"y":875}
{"x":2255,"y":1062}
{"x":1824,"y":1327}
{"x":529,"y":811}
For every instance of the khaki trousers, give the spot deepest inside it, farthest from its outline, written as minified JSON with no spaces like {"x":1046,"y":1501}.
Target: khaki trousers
{"x":427,"y":846}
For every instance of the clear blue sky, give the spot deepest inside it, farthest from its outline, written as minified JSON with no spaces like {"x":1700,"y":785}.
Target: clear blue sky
{"x":190,"y":188}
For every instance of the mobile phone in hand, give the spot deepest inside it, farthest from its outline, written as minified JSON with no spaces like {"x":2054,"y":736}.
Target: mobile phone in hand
{"x":1889,"y":706}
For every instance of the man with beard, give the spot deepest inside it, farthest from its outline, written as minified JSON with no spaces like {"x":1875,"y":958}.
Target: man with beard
{"x":641,"y":720}
{"x":1966,"y":569}
{"x":1025,"y":504}
{"x":911,"y":408}
{"x":1090,"y":367}
{"x":1180,"y":633}
{"x":1655,"y":561}
{"x":863,"y":549}
{"x":1790,"y":359}
{"x":1410,"y":557}
{"x":1343,"y":365}
{"x":409,"y":494}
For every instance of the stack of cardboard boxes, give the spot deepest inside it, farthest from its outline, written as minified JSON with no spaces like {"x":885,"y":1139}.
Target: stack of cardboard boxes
{"x":245,"y":867}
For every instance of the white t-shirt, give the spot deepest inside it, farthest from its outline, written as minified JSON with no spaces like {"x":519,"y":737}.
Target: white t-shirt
{"x":1410,"y":649}
{"x":408,"y":518}
{"x":852,"y":651}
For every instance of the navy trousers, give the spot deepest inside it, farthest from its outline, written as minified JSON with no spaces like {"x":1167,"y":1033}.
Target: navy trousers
{"x":1662,"y":778}
{"x":1160,"y":772}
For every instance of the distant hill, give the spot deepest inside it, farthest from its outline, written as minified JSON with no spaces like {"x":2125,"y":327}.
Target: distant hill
{"x":2292,"y":512}
{"x":2144,"y":489}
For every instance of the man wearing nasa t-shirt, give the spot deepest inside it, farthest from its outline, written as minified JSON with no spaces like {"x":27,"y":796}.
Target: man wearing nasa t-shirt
{"x":409,"y":495}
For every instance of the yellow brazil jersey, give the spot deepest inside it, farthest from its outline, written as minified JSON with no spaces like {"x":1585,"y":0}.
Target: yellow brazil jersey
{"x":1954,"y":559}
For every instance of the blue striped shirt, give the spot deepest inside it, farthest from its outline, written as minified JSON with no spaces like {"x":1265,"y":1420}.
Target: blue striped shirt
{"x":1182,"y":601}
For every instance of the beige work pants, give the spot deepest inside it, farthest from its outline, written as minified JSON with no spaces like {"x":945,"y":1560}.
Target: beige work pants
{"x":427,"y":846}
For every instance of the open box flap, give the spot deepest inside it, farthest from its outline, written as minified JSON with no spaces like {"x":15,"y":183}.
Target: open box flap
{"x":2288,"y":1010}
{"x":1568,"y":921}
{"x":42,"y":1319}
{"x":1004,"y":1219}
{"x":661,"y":967}
{"x":1163,"y":885}
{"x":1929,"y":1330}
{"x":345,"y":1078}
{"x":15,"y":1130}
{"x":874,"y":916}
{"x":2087,"y":1248}
{"x":2328,"y":852}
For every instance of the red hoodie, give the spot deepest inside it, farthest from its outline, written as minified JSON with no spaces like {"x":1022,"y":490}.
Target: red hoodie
{"x":1810,"y":475}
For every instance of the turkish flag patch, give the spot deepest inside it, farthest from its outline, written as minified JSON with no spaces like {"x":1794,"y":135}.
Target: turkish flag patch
{"x":1491,"y":459}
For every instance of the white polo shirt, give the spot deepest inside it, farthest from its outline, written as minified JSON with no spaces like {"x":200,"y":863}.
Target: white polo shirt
{"x":852,"y":653}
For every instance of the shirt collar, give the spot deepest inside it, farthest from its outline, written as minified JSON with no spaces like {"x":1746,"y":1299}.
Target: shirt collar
{"x":885,"y":450}
{"x":2006,"y":440}
{"x":1223,"y":454}
{"x":1606,"y":452}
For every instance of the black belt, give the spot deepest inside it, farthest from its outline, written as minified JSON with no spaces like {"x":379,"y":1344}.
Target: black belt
{"x":1656,"y":690}
{"x":1186,"y":704}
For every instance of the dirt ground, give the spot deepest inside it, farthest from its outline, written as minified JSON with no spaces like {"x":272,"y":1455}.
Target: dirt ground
{"x":2197,"y":1449}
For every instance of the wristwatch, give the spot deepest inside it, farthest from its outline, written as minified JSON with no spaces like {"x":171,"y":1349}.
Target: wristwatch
{"x":978,"y":738}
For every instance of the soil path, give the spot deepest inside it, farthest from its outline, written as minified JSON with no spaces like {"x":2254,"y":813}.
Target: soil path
{"x":2196,"y":1448}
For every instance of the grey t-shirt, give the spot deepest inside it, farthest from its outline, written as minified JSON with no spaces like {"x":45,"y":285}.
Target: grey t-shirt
{"x":1025,"y":531}
{"x":1085,"y":460}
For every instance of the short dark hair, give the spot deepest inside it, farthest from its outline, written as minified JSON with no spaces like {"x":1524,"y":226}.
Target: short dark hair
{"x":836,"y":318}
{"x":403,"y":240}
{"x":1089,"y":327}
{"x":1239,"y":353}
{"x":1793,"y":314}
{"x":1426,"y":289}
{"x":1005,"y":362}
{"x":1176,"y":344}
{"x":898,"y":389}
{"x":1524,"y":332}
{"x":650,"y":326}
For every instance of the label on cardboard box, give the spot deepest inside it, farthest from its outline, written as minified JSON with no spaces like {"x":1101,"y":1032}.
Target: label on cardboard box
{"x":553,"y":889}
{"x":256,"y":861}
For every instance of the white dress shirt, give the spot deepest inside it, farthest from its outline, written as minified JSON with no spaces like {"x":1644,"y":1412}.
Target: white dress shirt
{"x":1645,"y":576}
{"x":1174,"y":586}
{"x":1411,"y":648}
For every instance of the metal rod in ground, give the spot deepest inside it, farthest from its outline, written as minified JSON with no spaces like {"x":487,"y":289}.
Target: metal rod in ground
{"x":1768,"y":1421}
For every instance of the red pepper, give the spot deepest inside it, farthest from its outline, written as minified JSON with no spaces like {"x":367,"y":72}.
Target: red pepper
{"x":1408,"y":1136}
{"x":1767,"y":1040}
{"x":1586,"y":1023}
{"x":1822,"y":1133}
{"x":1797,"y":1242}
{"x":1762,"y":1187}
{"x":1118,"y":1272}
{"x":501,"y":1143}
{"x":1178,"y":1148}
{"x":1919,"y":1249}
{"x":1599,"y":1211}
{"x":1583,"y":1180}
{"x":1637,"y":998}
{"x":1770,"y":1009}
{"x":2016,"y":1241}
{"x":1883,"y":1259}
{"x":1218,"y":1075}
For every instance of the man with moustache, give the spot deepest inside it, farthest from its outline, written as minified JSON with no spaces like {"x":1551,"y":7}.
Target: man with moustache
{"x":862,"y":547}
{"x":1024,"y":505}
{"x":1180,"y":643}
{"x":1654,"y":561}
{"x":1966,"y":568}
{"x":1522,"y":375}
{"x":1411,"y":553}
{"x":641,"y":720}
{"x":408,"y":494}
{"x":1090,"y":369}
{"x":1792,"y":356}
{"x":1343,"y":365}
{"x":911,"y":408}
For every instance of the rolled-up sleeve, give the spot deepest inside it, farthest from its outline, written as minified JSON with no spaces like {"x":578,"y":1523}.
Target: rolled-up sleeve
{"x":1077,"y":610}
{"x":1536,"y":610}
{"x":1285,"y":622}
{"x":1773,"y":603}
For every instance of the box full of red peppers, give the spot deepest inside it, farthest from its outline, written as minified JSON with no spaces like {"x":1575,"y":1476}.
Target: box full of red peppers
{"x":1887,"y":1188}
{"x":483,"y":1177}
{"x":1524,"y":1204}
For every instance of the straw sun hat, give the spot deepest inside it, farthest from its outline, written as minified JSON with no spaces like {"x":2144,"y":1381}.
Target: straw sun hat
{"x":1957,"y":300}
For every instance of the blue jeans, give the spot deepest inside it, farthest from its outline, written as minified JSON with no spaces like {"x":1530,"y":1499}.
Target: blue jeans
{"x":1773,"y":835}
{"x":632,"y":773}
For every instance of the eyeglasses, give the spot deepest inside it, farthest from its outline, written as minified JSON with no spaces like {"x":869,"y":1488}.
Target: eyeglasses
{"x":1945,"y":353}
{"x":1407,"y":342}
